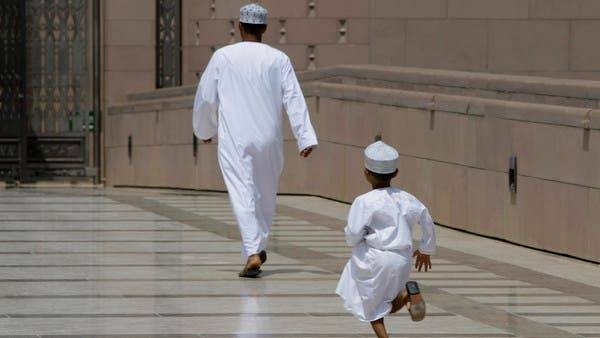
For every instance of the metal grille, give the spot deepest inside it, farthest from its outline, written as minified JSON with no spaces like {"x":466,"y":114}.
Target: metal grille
{"x":46,"y":87}
{"x":12,"y":80}
{"x":168,"y":43}
{"x":58,"y":81}
{"x":58,"y":86}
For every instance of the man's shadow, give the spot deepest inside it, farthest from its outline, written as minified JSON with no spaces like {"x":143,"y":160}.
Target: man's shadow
{"x":271,"y":271}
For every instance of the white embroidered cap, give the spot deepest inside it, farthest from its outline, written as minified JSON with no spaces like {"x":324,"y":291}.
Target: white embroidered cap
{"x":381,"y":158}
{"x":253,"y":14}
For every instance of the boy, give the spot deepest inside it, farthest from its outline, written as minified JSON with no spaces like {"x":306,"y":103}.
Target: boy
{"x":379,"y":228}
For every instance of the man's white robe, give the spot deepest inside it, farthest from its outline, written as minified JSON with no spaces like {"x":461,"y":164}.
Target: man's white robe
{"x":250,"y":84}
{"x":379,"y":228}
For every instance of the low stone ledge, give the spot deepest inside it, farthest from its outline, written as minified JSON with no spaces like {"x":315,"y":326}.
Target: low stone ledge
{"x":163,"y":93}
{"x":536,"y":113}
{"x":185,"y":102}
{"x":500,"y":83}
{"x":593,"y":119}
{"x":472,"y":92}
{"x":582,"y":89}
{"x":528,"y":112}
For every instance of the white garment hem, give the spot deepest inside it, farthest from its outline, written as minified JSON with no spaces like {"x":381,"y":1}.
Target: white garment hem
{"x":350,"y":309}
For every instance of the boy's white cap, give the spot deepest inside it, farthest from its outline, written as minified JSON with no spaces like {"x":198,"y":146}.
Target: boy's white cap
{"x":253,"y":14}
{"x":381,"y":158}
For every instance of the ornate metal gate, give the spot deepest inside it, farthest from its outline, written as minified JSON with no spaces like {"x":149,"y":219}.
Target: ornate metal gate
{"x":168,"y":43}
{"x":12,"y":87}
{"x":49,"y":90}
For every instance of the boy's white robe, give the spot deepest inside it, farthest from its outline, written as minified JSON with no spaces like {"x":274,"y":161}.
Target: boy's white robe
{"x":249,"y":84}
{"x":379,"y":228}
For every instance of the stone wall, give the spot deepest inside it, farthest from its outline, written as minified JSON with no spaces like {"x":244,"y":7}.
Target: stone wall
{"x":541,"y":37}
{"x":129,"y":47}
{"x":455,"y":132}
{"x":538,"y":37}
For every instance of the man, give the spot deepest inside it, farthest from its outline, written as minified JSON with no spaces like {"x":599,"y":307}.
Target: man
{"x":250,"y":84}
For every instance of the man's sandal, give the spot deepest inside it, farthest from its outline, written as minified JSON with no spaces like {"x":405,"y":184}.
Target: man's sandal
{"x":417,"y":311}
{"x":263,"y":256}
{"x":254,"y":272}
{"x":250,"y":273}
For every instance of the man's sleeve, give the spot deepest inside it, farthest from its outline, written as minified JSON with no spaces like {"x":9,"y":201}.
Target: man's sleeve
{"x":427,"y":245}
{"x":295,"y":106}
{"x":358,"y":219}
{"x":206,"y":103}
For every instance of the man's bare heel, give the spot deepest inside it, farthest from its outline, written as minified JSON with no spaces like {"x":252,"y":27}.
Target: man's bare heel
{"x":417,"y":304}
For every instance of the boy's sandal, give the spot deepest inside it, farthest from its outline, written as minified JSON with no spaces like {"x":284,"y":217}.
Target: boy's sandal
{"x":417,"y":311}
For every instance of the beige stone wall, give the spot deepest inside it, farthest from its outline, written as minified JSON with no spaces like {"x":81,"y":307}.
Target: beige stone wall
{"x":129,"y":53}
{"x":455,"y":132}
{"x":538,"y":37}
{"x":311,"y":36}
{"x":457,"y":165}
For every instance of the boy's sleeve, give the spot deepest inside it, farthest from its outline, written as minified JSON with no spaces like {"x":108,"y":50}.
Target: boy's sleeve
{"x":427,"y":245}
{"x":358,"y":219}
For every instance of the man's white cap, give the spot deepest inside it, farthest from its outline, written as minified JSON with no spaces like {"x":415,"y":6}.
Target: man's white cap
{"x":253,"y":14}
{"x":381,"y":158}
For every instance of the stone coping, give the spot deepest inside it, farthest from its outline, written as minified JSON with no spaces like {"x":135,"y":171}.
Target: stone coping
{"x":583,"y":89}
{"x":163,"y":93}
{"x":503,"y":83}
{"x":159,"y":104}
{"x":520,"y":111}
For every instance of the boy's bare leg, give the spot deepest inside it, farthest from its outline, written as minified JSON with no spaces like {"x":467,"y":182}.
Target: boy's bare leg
{"x":379,"y":328}
{"x":417,"y":307}
{"x":400,"y":301}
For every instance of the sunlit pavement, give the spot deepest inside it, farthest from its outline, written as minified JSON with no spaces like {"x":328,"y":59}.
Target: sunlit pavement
{"x":164,"y":263}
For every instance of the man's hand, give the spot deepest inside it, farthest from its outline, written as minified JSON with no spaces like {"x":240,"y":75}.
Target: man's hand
{"x":207,"y":141}
{"x":307,"y":151}
{"x":422,"y":260}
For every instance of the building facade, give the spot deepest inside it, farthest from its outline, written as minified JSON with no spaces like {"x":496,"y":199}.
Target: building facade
{"x":63,"y":62}
{"x":102,"y":90}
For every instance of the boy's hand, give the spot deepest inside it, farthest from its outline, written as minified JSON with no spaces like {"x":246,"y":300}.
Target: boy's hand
{"x":422,"y":260}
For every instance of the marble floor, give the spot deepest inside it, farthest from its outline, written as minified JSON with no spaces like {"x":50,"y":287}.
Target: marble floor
{"x":163,"y":263}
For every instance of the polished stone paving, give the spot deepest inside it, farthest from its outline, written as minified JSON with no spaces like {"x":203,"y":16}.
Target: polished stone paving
{"x":164,"y":263}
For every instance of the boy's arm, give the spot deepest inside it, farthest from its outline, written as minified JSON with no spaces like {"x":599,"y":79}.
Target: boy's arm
{"x":427,"y":246}
{"x":358,"y":218}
